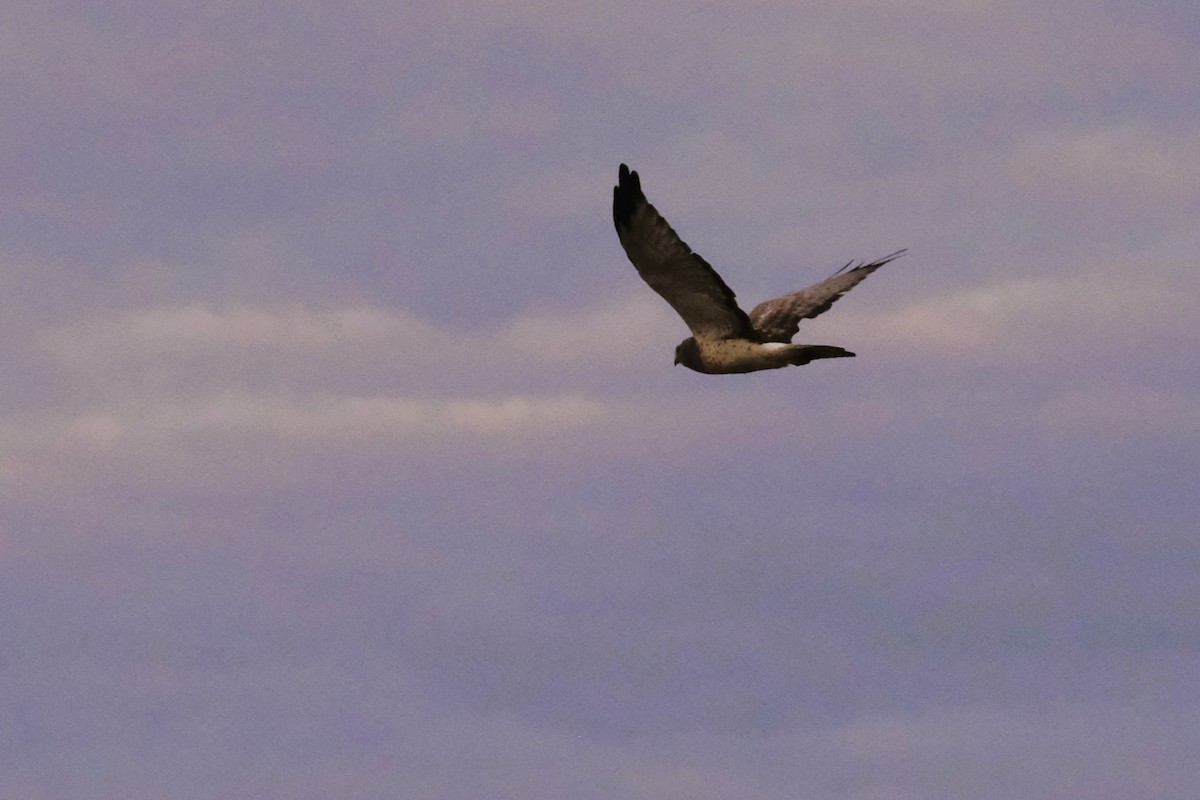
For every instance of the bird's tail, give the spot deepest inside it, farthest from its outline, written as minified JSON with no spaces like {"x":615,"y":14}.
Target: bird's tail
{"x":800,"y":354}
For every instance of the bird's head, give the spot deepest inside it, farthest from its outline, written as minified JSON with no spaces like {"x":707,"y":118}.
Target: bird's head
{"x":688,"y":353}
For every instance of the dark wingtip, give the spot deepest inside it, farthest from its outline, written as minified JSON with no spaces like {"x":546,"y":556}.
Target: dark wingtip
{"x":887,"y":259}
{"x":872,"y":265}
{"x":627,"y":196}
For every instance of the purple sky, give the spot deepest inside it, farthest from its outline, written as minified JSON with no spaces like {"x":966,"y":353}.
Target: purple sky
{"x":342,"y":456}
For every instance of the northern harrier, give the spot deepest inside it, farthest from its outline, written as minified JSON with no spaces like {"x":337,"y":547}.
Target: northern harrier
{"x":724,"y":339}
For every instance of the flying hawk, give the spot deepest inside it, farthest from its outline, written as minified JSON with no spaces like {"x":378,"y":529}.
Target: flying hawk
{"x":724,"y":339}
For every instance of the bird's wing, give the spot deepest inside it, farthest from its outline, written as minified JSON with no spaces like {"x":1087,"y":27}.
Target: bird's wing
{"x":684,"y":279}
{"x":778,"y":320}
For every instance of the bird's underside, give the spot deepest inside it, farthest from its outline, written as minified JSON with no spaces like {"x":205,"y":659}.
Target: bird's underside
{"x":724,"y":338}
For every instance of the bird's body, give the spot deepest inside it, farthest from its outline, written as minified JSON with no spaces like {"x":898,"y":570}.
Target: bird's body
{"x":728,"y":356}
{"x":724,"y":338}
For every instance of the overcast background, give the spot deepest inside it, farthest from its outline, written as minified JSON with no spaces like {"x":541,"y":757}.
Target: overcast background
{"x":342,"y":455}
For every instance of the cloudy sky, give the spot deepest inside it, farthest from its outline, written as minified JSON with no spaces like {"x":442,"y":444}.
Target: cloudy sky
{"x":342,"y":455}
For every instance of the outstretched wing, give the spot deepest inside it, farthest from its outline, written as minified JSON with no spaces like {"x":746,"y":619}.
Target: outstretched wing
{"x":778,"y":320}
{"x":684,"y":279}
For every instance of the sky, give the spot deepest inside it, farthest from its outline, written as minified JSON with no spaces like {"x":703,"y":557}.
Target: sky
{"x":342,"y":454}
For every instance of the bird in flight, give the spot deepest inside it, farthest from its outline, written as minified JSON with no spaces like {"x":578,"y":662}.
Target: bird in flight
{"x":724,"y":338}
